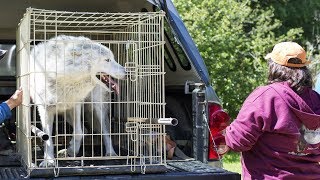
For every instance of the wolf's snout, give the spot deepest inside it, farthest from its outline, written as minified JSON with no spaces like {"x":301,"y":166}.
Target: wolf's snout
{"x":120,"y":73}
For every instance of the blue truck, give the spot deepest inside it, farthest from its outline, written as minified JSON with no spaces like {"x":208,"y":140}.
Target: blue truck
{"x":189,"y":96}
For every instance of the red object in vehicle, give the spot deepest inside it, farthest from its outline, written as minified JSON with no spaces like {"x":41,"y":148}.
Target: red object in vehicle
{"x":218,"y":121}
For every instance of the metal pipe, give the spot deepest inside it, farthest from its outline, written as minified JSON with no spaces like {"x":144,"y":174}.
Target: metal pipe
{"x":165,"y":121}
{"x":39,"y":133}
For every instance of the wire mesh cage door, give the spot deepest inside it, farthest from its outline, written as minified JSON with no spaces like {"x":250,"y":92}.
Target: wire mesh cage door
{"x":92,"y":83}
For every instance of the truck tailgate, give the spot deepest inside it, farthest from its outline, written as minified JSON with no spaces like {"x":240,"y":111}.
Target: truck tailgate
{"x":10,"y":169}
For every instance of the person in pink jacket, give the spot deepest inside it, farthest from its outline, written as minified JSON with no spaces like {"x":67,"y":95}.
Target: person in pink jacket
{"x":277,"y":129}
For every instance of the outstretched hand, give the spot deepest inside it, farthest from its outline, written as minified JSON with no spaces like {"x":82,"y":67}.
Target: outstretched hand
{"x":16,"y":99}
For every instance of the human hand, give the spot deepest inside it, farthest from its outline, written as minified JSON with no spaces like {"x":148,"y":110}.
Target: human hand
{"x":16,"y":99}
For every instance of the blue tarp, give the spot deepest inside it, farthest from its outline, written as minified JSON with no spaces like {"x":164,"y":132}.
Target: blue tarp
{"x":185,"y":40}
{"x":188,"y":45}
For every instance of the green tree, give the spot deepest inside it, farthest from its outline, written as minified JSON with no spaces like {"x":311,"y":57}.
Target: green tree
{"x":295,"y":14}
{"x":233,"y":39}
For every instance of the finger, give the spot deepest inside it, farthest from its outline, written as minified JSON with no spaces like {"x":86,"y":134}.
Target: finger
{"x":19,"y":92}
{"x":15,"y":96}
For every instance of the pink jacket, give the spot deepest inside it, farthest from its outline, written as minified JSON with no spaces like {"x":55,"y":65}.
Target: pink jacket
{"x":278,"y":133}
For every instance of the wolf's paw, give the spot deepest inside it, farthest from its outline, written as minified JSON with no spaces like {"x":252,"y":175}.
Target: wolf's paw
{"x":111,"y":154}
{"x":63,"y":153}
{"x":47,"y":163}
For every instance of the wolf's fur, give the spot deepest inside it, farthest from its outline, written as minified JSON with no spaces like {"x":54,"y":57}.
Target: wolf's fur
{"x":63,"y":74}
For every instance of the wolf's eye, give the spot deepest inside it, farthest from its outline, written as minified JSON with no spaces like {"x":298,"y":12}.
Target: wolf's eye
{"x":108,"y":60}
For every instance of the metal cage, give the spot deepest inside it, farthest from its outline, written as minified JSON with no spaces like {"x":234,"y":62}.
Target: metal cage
{"x":131,"y":116}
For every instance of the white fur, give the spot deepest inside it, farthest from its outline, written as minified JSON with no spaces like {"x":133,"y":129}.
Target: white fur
{"x":63,"y":71}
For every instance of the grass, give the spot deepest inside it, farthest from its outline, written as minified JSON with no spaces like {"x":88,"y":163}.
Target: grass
{"x":231,"y":162}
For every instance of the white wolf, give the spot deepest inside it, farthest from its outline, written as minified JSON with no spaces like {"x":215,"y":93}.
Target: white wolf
{"x":64,"y":73}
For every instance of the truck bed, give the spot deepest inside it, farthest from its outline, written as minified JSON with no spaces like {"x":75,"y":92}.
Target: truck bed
{"x":10,"y":168}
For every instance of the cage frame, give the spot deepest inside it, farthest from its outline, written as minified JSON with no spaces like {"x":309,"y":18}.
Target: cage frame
{"x":27,"y":35}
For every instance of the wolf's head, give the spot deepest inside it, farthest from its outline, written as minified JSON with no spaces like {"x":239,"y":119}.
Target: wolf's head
{"x":101,"y":61}
{"x":107,"y":68}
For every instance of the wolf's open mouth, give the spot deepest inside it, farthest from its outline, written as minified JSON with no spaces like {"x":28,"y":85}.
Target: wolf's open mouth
{"x":110,"y":82}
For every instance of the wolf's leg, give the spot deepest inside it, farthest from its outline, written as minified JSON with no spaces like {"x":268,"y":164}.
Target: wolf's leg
{"x":100,"y":110}
{"x":75,"y":122}
{"x":47,"y":123}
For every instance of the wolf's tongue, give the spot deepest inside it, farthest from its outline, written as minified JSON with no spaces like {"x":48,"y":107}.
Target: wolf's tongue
{"x":112,"y":83}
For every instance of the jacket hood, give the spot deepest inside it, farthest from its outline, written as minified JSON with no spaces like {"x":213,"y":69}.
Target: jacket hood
{"x":299,"y":107}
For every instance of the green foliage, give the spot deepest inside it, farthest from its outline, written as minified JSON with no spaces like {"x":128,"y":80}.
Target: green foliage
{"x":233,"y":39}
{"x":231,"y":162}
{"x":295,"y":14}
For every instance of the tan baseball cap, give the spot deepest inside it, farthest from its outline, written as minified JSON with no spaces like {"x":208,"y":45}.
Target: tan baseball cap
{"x":284,"y":51}
{"x":2,"y":53}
